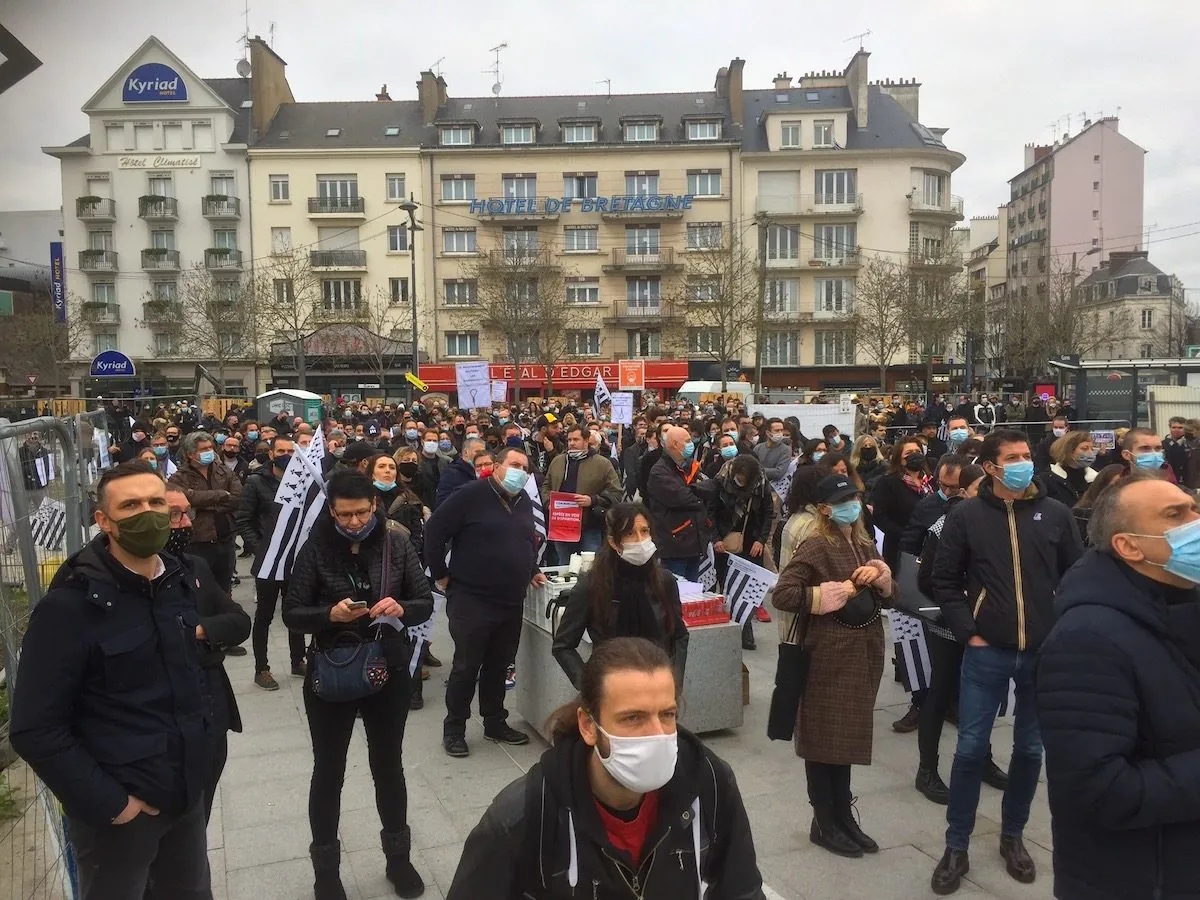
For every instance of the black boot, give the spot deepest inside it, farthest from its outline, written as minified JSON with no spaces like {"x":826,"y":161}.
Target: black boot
{"x":847,"y":814}
{"x":416,"y":699}
{"x":930,"y":784}
{"x":327,"y":861}
{"x":826,"y":831}
{"x":397,"y":847}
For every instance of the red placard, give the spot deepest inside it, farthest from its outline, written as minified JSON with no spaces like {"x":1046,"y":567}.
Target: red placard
{"x":564,"y":518}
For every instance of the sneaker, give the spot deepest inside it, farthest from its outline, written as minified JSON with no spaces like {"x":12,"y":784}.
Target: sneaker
{"x":762,"y":615}
{"x":456,"y":746}
{"x":505,"y":734}
{"x":236,"y":651}
{"x":266,"y":680}
{"x":300,"y":669}
{"x":510,"y":678}
{"x":908,"y":723}
{"x":235,"y":581}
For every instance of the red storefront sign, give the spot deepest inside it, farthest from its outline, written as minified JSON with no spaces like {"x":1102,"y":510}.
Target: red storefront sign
{"x":668,"y":374}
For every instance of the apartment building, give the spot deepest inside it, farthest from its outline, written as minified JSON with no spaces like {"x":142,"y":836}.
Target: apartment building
{"x":1137,"y":310}
{"x":986,"y":273}
{"x":154,"y":193}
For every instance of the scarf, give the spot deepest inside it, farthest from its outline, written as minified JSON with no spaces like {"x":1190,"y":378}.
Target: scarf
{"x":635,"y":610}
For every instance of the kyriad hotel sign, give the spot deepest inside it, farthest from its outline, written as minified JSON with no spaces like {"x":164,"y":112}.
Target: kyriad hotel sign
{"x":154,"y":83}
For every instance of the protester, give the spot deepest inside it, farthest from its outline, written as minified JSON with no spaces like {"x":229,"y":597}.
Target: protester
{"x":775,"y":455}
{"x":1071,"y":471}
{"x":621,"y":787}
{"x":350,"y":575}
{"x":741,"y":512}
{"x":1042,"y":458}
{"x":677,"y":497}
{"x":382,"y":471}
{"x":213,"y":492}
{"x":1141,"y":448}
{"x":594,"y":485}
{"x":835,"y":583}
{"x":139,"y":440}
{"x":460,"y":470}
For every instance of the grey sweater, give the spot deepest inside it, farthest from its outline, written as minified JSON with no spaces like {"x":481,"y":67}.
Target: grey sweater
{"x":774,"y":459}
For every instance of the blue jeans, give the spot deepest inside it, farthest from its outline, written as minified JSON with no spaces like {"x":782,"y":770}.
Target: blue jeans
{"x":589,"y":542}
{"x":685,"y":568}
{"x":984,"y":684}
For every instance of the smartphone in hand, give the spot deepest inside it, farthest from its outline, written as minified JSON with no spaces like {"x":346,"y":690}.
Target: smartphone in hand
{"x":358,"y":604}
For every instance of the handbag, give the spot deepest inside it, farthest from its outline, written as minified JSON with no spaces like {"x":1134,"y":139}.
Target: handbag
{"x":353,"y":667}
{"x":860,"y":610}
{"x":736,"y":540}
{"x":791,"y":674}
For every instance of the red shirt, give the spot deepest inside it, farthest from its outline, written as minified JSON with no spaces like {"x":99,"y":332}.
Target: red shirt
{"x":630,"y":836}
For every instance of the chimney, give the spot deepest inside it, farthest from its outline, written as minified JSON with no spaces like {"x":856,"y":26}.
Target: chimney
{"x":906,"y":92}
{"x":736,"y":104}
{"x":431,"y":94}
{"x":783,"y":82}
{"x":857,"y":83}
{"x":721,"y":84}
{"x":443,"y":95}
{"x":383,"y":95}
{"x":269,"y":86}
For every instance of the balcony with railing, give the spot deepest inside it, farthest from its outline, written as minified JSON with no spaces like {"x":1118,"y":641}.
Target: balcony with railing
{"x":155,"y":208}
{"x":98,"y":261}
{"x":635,"y":207}
{"x":100,"y":313}
{"x":338,"y":260}
{"x":160,"y":259}
{"x":161,"y":313}
{"x":947,"y":205}
{"x":337,"y":207}
{"x":342,"y":313}
{"x":223,"y":258}
{"x":643,"y":311}
{"x":218,"y":206}
{"x":836,"y":203}
{"x":777,"y":314}
{"x":642,"y":260}
{"x":943,"y":260}
{"x":521,"y":258}
{"x":95,"y":209}
{"x":650,"y":354}
{"x":835,"y":258}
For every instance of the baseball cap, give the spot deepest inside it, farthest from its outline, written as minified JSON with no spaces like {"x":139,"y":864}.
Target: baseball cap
{"x":834,"y":488}
{"x":357,"y":452}
{"x":546,"y":419}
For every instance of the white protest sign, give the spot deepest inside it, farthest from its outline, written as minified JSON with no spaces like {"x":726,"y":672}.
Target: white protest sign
{"x":499,"y":391}
{"x":474,"y":385}
{"x":622,"y":408}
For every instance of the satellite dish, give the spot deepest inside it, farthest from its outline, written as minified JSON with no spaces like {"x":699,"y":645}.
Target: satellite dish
{"x":243,"y":68}
{"x":496,"y":89}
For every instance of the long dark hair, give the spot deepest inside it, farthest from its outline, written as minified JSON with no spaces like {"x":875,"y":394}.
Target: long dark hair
{"x":603,"y":576}
{"x":624,"y":654}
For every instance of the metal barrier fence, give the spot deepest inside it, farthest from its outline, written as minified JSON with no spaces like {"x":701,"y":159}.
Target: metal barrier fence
{"x":48,"y":470}
{"x":1102,"y":429}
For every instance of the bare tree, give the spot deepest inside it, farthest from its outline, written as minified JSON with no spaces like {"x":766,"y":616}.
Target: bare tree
{"x":291,"y":303}
{"x":35,"y":343}
{"x":218,"y":317}
{"x":384,"y":339}
{"x":880,"y":311}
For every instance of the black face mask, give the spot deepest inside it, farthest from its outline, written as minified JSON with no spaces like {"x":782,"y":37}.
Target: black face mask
{"x":263,"y":457}
{"x":178,"y":542}
{"x":408,"y":469}
{"x":914,"y":463}
{"x":868,"y":454}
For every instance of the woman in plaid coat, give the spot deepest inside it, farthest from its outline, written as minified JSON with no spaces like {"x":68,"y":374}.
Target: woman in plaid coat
{"x":845,"y":647}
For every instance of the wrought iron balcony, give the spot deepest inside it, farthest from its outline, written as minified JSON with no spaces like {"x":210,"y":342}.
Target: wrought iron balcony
{"x":158,"y":209}
{"x":161,"y":313}
{"x":96,"y":209}
{"x":336,"y":206}
{"x":98,"y":261}
{"x":946,"y":205}
{"x":338,"y":259}
{"x":648,"y":311}
{"x":641,"y":260}
{"x":98,"y":313}
{"x":223,"y":258}
{"x":833,"y":203}
{"x":217,"y":206}
{"x":940,"y":259}
{"x":160,"y":259}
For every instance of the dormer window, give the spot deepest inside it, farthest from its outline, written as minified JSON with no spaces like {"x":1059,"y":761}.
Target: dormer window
{"x":704,"y":130}
{"x":517,"y":134}
{"x":641,"y":131}
{"x":333,"y":132}
{"x":457,"y":136}
{"x":579,"y":133}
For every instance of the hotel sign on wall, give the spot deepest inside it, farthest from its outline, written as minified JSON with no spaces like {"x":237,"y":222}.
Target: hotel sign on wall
{"x":513,"y":206}
{"x":160,"y":161}
{"x":154,"y":83}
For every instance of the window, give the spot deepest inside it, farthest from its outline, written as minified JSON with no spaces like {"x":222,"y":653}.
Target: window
{"x":641,"y":131}
{"x":343,"y":294}
{"x":222,"y":185}
{"x":165,"y":343}
{"x":333,"y":132}
{"x":782,"y":297}
{"x":783,"y":242}
{"x":833,"y":348}
{"x":162,"y":240}
{"x":462,"y":343}
{"x":519,"y":240}
{"x":579,"y":186}
{"x":643,"y":292}
{"x":164,"y":292}
{"x":524,"y":346}
{"x":790,"y":135}
{"x":1147,"y":284}
{"x":281,"y":240}
{"x":280,"y":192}
{"x":458,"y":188}
{"x":823,"y":133}
{"x":704,"y":236}
{"x":583,"y":343}
{"x":704,"y":340}
{"x":337,"y":187}
{"x":579,"y":134}
{"x":835,"y":186}
{"x":704,"y":184}
{"x":1095,"y":185}
{"x":935,"y":190}
{"x":1146,"y":351}
{"x":161,"y":186}
{"x":458,"y":136}
{"x":522,"y":294}
{"x":835,"y":241}
{"x":398,"y":290}
{"x":100,"y":240}
{"x":1095,"y":214}
{"x":642,"y":184}
{"x":391,"y":130}
{"x":226,"y":291}
{"x":285,"y":291}
{"x":225,"y":238}
{"x":104,"y":340}
{"x":516,"y":134}
{"x":459,"y":293}
{"x":645,"y":344}
{"x":781,"y":348}
{"x":395,"y":188}
{"x":458,"y":240}
{"x":704,"y":131}
{"x":104,"y":292}
{"x":703,"y":290}
{"x":642,"y":240}
{"x":143,"y":137}
{"x":1147,"y":318}
{"x":581,"y":239}
{"x":519,"y":186}
{"x":397,"y":239}
{"x":833,"y":295}
{"x":114,"y":137}
{"x":1096,"y":158}
{"x":583,"y":292}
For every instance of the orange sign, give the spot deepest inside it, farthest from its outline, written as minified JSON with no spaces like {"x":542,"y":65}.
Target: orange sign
{"x":632,"y":374}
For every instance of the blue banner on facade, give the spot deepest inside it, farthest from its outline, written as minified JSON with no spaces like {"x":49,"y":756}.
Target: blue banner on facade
{"x":58,"y":281}
{"x":154,"y":83}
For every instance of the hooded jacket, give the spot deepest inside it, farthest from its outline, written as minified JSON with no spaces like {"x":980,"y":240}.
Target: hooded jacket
{"x":542,"y":837}
{"x":1118,"y":697}
{"x":110,"y":694}
{"x":998,"y":564}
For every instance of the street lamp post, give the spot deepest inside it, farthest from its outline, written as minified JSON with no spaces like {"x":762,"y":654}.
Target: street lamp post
{"x":410,"y":207}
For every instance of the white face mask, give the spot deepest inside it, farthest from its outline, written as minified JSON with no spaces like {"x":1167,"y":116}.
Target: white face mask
{"x":640,"y":764}
{"x":638,"y":553}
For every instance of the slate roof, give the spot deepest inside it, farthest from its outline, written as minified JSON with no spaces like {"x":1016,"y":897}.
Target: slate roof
{"x":1126,"y":275}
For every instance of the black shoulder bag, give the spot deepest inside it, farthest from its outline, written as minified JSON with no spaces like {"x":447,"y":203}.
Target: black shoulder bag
{"x":791,"y":673}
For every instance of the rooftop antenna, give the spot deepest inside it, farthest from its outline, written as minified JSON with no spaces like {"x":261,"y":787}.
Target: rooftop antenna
{"x":860,"y":37}
{"x":244,"y":39}
{"x":1149,"y":229}
{"x":436,"y":67}
{"x":607,"y":82}
{"x":495,"y":69}
{"x":271,"y":34}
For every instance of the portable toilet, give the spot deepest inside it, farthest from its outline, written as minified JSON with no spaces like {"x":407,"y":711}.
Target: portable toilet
{"x":294,"y":402}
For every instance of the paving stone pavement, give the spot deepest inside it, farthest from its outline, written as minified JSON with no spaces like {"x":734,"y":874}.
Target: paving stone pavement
{"x":258,"y":836}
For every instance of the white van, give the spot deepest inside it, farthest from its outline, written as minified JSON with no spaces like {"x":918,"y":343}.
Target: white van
{"x":692,"y":390}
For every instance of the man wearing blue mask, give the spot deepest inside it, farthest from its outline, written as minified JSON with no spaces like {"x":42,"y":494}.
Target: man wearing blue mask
{"x":1141,"y":448}
{"x":999,"y":562}
{"x":1116,"y":692}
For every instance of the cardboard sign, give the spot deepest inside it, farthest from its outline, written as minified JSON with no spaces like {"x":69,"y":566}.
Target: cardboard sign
{"x":564,"y":518}
{"x":622,"y":408}
{"x":632,"y":374}
{"x":474,"y":385}
{"x":499,"y":391}
{"x":1103,"y":440}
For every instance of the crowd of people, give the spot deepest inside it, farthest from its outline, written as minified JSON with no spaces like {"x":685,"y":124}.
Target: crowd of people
{"x":970,"y":522}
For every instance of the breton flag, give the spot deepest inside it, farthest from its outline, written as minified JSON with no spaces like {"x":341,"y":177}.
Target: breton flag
{"x":908,"y":634}
{"x":49,"y":524}
{"x":708,"y":570}
{"x":784,"y":484}
{"x":420,"y":635}
{"x":746,"y":587}
{"x":539,"y":515}
{"x":602,"y":392}
{"x":301,"y":494}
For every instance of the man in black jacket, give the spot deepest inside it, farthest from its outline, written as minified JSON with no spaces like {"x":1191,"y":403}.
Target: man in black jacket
{"x":490,"y":524}
{"x":110,"y":707}
{"x":1118,"y":682}
{"x":1001,"y":557}
{"x":678,"y":496}
{"x":931,"y":507}
{"x":592,"y":818}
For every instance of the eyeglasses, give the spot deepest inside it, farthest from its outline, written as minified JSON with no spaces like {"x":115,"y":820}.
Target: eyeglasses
{"x":177,"y":515}
{"x":358,"y":515}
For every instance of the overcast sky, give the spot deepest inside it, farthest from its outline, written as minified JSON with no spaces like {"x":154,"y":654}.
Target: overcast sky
{"x":996,"y":74}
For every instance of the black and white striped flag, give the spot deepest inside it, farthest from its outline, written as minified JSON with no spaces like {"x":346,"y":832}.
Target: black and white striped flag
{"x":301,"y":493}
{"x":539,"y":514}
{"x":603,"y":395}
{"x":909,"y":637}
{"x":708,"y":570}
{"x":746,"y":587}
{"x":49,"y":524}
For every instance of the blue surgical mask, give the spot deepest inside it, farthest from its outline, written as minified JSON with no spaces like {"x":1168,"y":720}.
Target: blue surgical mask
{"x":1153,"y":460}
{"x":732,"y":434}
{"x":430,"y":447}
{"x":411,"y":434}
{"x":361,"y":534}
{"x":154,"y":464}
{"x":687,"y":450}
{"x":514,"y":480}
{"x":846,"y":513}
{"x":1017,"y":475}
{"x":959,"y":435}
{"x":1184,"y":541}
{"x":384,"y":485}
{"x":503,"y":420}
{"x":160,"y":451}
{"x":817,"y":454}
{"x":444,"y":446}
{"x":729,"y":452}
{"x":252,"y":435}
{"x":208,"y":457}
{"x":1086,"y":459}
{"x":220,"y":439}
